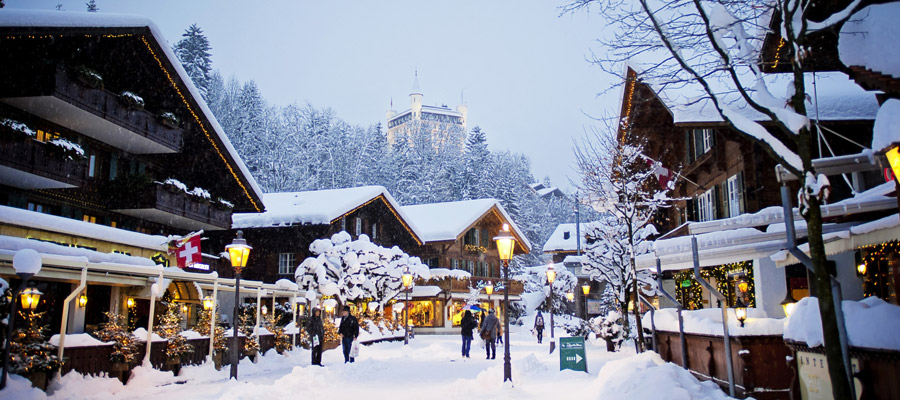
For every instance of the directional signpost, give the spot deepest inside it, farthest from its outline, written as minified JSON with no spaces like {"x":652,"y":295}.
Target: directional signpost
{"x":571,"y":354}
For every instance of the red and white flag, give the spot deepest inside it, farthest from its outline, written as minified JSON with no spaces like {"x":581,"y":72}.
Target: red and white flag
{"x":664,"y":175}
{"x":188,"y":251}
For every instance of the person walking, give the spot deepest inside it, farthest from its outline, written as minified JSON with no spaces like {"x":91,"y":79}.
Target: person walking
{"x":489,"y":329}
{"x":499,"y":333}
{"x":316,"y":331}
{"x":467,"y":324}
{"x":349,"y":331}
{"x":539,"y":326}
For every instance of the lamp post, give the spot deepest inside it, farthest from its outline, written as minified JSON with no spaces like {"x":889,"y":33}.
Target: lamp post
{"x":407,"y":285}
{"x":27,"y":263}
{"x":489,"y":289}
{"x":586,"y":289}
{"x":238,"y":252}
{"x":551,"y":276}
{"x":740,"y":311}
{"x":506,"y":246}
{"x":788,"y":303}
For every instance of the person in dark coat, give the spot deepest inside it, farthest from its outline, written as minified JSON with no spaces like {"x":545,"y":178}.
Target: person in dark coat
{"x":539,"y":326}
{"x":489,"y":329}
{"x":316,"y":331}
{"x":467,"y":324}
{"x":349,"y":331}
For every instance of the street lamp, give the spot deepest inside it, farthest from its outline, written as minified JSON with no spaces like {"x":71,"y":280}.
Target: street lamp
{"x":407,"y":285}
{"x":788,"y":303}
{"x":130,"y":302}
{"x":489,"y":289}
{"x":265,"y":310}
{"x":238,"y":252}
{"x":586,"y":288}
{"x":82,"y":300}
{"x":27,"y":263}
{"x":207,"y":303}
{"x":893,"y":156}
{"x":570,"y":296}
{"x":506,"y":246}
{"x":740,"y":311}
{"x":551,"y":276}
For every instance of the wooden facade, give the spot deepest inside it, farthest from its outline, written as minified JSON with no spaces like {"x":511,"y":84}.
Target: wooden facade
{"x":275,"y":244}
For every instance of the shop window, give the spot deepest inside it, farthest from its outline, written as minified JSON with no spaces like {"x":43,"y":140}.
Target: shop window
{"x":359,"y":226}
{"x":428,"y":313}
{"x":286,"y":263}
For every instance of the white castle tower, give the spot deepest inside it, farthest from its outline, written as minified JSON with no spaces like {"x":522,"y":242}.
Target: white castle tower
{"x":443,"y":122}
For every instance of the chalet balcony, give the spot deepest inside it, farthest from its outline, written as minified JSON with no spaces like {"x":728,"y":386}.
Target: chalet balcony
{"x":463,"y":285}
{"x":161,"y":204}
{"x":99,"y":114}
{"x":31,"y":164}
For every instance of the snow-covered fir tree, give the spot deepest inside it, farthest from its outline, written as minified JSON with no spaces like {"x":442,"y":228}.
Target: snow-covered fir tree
{"x":193,"y":50}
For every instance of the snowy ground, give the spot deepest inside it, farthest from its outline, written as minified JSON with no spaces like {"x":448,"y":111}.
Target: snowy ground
{"x":429,"y":368}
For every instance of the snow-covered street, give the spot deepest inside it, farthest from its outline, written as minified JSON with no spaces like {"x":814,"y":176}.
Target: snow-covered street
{"x":430,"y":367}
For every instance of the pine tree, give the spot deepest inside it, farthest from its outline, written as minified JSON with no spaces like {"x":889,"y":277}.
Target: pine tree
{"x":193,"y":52}
{"x":282,"y":340}
{"x":169,"y":328}
{"x":92,"y":6}
{"x":125,"y":347}
{"x":608,"y":302}
{"x":247,"y":327}
{"x":477,"y":161}
{"x":29,"y":351}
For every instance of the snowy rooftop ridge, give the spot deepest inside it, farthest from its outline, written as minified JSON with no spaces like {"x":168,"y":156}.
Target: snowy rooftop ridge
{"x":559,"y":242}
{"x":869,"y":39}
{"x":53,"y":223}
{"x":70,"y":19}
{"x":315,"y":207}
{"x":440,"y":222}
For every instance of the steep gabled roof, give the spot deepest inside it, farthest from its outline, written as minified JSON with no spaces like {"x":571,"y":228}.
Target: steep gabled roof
{"x":48,"y":21}
{"x":319,"y":207}
{"x":440,"y":222}
{"x":559,"y":241}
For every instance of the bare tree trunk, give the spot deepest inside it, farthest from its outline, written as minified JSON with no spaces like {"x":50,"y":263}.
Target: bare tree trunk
{"x":639,"y":347}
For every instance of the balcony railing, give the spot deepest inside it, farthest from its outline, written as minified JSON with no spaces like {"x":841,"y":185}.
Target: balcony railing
{"x":106,"y":105}
{"x":45,"y":161}
{"x":170,"y":201}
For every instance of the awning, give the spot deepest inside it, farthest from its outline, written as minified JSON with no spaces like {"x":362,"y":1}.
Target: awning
{"x":867,"y":234}
{"x":425,"y":291}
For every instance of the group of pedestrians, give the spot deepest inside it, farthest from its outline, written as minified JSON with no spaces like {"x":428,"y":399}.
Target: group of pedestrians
{"x":490,"y":331}
{"x":348,"y":329}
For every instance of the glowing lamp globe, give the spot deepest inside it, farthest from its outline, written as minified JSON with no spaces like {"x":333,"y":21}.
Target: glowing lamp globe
{"x":489,"y":289}
{"x":184,"y":308}
{"x":788,"y":304}
{"x":570,"y":296}
{"x":861,"y":269}
{"x":207,"y":303}
{"x":586,"y":288}
{"x":407,"y":279}
{"x":893,"y":156}
{"x":27,"y":262}
{"x":30,"y":298}
{"x":82,"y":300}
{"x":551,"y":274}
{"x":129,"y":302}
{"x":506,"y":243}
{"x":238,"y":252}
{"x":265,"y":310}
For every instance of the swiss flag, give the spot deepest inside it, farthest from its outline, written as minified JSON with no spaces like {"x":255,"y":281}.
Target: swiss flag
{"x":664,"y":175}
{"x":188,"y":252}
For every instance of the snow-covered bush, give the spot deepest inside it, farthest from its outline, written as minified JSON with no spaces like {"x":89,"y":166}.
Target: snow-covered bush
{"x":70,"y":150}
{"x":536,"y":282}
{"x":16,"y":129}
{"x":609,"y":327}
{"x":131,"y":99}
{"x":356,"y":269}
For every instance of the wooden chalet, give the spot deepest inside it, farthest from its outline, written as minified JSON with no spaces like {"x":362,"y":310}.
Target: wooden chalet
{"x":459,"y":248}
{"x":108,"y":151}
{"x":282,"y":234}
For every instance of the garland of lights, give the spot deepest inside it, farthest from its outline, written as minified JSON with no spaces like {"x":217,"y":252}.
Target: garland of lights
{"x":692,"y":295}
{"x":872,"y":255}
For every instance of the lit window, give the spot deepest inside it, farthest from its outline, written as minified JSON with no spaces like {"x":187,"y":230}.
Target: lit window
{"x":735,"y":194}
{"x":286,"y":263}
{"x":92,"y":163}
{"x":374,"y":231}
{"x":45,"y":136}
{"x":359,"y":226}
{"x":89,"y":218}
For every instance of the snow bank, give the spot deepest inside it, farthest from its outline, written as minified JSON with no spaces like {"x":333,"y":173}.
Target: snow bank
{"x":78,"y":340}
{"x":871,"y":323}
{"x":885,"y":133}
{"x":708,"y":321}
{"x":647,"y":376}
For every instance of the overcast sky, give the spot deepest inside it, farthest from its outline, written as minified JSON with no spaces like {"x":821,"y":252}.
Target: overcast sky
{"x":520,"y":65}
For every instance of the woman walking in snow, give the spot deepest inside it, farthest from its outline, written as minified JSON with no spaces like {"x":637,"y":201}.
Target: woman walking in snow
{"x":467,"y":324}
{"x":489,"y":329}
{"x":316,"y":331}
{"x":539,"y":326}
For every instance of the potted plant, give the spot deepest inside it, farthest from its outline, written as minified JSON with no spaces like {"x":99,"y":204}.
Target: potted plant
{"x":223,"y":204}
{"x":15,"y":131}
{"x":247,"y":326}
{"x":30,"y":354}
{"x":282,"y":340}
{"x":125,"y":347}
{"x":88,"y":77}
{"x":131,"y":100}
{"x":67,"y":149}
{"x":220,"y":345}
{"x":168,"y":119}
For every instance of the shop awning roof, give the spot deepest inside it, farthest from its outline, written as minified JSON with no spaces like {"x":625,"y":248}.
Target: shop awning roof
{"x":867,"y":234}
{"x":425,"y":291}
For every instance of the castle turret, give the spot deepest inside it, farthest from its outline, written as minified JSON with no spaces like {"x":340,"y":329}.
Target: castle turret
{"x":415,"y":97}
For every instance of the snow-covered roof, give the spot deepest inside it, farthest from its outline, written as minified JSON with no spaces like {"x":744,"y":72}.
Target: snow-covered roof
{"x":52,"y":223}
{"x":871,"y":323}
{"x":425,"y":291}
{"x":316,"y":207}
{"x":886,"y":132}
{"x":69,"y":19}
{"x":550,"y":190}
{"x":834,"y":97}
{"x":558,"y":240}
{"x":573,"y":260}
{"x":11,"y":244}
{"x":869,"y":39}
{"x":439,"y":222}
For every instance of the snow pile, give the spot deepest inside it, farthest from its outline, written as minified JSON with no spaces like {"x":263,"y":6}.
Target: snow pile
{"x":369,"y":332}
{"x":79,"y":340}
{"x":132,"y":97}
{"x":141,"y":334}
{"x":871,"y":323}
{"x":68,"y":146}
{"x":869,"y":39}
{"x":17,"y":126}
{"x":647,"y":376}
{"x":887,"y":125}
{"x":287,"y":285}
{"x":708,"y":321}
{"x":444,"y":273}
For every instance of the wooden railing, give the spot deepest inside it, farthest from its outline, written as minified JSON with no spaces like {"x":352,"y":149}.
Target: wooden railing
{"x":463,"y":285}
{"x":172,"y":201}
{"x":106,"y":105}
{"x":42,"y":159}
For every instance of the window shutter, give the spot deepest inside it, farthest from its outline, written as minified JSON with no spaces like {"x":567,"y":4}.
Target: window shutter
{"x":739,"y":183}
